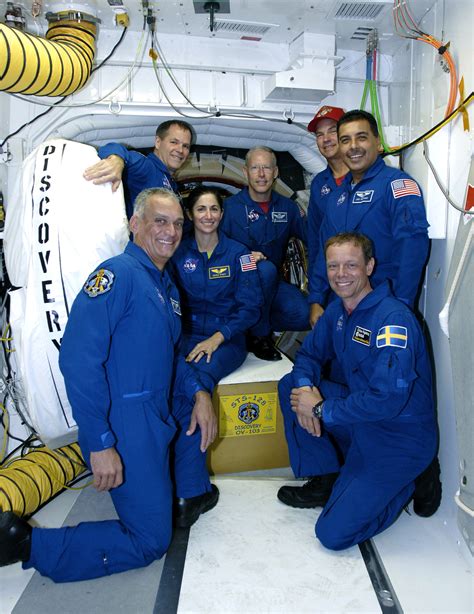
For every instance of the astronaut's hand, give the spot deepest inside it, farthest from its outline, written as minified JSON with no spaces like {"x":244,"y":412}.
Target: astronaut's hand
{"x":107,"y":469}
{"x":205,"y":348}
{"x":312,"y":425}
{"x":109,"y":169}
{"x":315,"y":312}
{"x":302,"y":401}
{"x":204,"y":416}
{"x":258,"y":256}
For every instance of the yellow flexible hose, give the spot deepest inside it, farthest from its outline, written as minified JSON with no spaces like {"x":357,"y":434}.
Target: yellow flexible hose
{"x":29,"y":482}
{"x":57,"y":65}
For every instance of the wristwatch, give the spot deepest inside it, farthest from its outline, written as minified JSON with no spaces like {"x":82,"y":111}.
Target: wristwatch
{"x":318,"y":410}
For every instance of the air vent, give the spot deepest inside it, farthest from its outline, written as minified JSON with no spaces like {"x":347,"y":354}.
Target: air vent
{"x":243,"y":27}
{"x":361,"y":34}
{"x":368,"y":11}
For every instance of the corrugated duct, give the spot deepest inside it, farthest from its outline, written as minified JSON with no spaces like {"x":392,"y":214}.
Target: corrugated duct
{"x":28,"y":482}
{"x":57,"y":65}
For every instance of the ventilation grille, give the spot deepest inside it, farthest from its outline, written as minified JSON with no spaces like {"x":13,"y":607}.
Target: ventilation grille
{"x":361,"y":34}
{"x":242,"y":27}
{"x":359,"y":10}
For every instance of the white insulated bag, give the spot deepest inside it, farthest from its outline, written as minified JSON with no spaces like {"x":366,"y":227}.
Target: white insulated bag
{"x":58,"y":228}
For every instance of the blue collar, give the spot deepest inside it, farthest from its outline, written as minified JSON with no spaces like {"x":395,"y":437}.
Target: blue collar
{"x":139,"y":254}
{"x":372,"y":171}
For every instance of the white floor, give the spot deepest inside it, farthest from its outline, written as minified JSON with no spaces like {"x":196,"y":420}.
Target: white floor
{"x":253,"y":554}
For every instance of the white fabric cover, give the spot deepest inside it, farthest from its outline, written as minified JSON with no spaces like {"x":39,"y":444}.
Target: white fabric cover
{"x":58,"y":228}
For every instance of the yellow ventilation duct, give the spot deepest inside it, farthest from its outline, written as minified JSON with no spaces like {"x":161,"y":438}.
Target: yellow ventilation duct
{"x":57,"y":65}
{"x":28,"y":482}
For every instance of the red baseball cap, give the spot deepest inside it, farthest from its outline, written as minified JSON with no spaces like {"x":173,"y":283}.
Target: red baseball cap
{"x":325,"y":112}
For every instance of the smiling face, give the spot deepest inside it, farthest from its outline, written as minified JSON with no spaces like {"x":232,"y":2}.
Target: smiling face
{"x":173,"y":148}
{"x":359,"y":147}
{"x":261,"y":172}
{"x":206,"y":214}
{"x":159,"y":228}
{"x":326,"y":138}
{"x":348,"y":273}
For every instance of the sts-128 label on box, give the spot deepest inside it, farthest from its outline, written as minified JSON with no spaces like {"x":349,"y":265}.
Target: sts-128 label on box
{"x":247,"y":414}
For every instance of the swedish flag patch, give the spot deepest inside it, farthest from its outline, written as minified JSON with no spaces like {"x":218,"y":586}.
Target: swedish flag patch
{"x":395,"y":336}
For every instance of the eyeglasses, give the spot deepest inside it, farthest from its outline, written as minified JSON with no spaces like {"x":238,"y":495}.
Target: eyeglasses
{"x":256,"y":168}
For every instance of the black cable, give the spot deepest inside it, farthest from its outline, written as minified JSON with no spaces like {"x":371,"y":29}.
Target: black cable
{"x":15,"y":450}
{"x":63,"y":98}
{"x":445,"y":120}
{"x":114,"y":49}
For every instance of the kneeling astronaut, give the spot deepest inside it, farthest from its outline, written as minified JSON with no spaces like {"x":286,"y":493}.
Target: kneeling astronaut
{"x":121,"y":371}
{"x":369,"y":447}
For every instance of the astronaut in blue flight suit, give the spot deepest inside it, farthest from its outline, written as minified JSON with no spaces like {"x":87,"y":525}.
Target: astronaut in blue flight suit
{"x":172,"y":145}
{"x":264,"y":221}
{"x":365,"y":444}
{"x":381,"y":202}
{"x":220,"y":291}
{"x":328,"y":181}
{"x":118,"y":361}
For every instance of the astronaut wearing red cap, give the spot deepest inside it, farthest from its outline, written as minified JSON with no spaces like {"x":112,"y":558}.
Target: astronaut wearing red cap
{"x":324,"y":126}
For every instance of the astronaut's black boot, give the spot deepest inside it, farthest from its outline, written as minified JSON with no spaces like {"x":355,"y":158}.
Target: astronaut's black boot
{"x":187,"y":511}
{"x":15,"y":539}
{"x":315,"y":493}
{"x":427,"y":495}
{"x":263,"y":347}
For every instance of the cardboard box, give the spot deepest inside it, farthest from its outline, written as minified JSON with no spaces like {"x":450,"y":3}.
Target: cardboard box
{"x":250,"y":425}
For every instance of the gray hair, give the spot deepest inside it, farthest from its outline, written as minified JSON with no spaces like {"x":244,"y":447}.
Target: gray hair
{"x":260,"y":148}
{"x":142,"y":199}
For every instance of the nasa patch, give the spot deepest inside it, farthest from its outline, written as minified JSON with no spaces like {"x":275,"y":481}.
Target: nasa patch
{"x":253,"y":215}
{"x":362,"y":196}
{"x":325,"y":190}
{"x":99,"y":283}
{"x":190,"y":265}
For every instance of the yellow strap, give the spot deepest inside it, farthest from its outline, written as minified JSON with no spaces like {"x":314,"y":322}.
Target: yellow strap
{"x":463,"y":110}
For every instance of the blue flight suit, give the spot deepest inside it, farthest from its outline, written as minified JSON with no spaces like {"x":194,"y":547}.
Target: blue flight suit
{"x":285,"y":306}
{"x":322,"y":186}
{"x":380,"y":431}
{"x":140,"y":172}
{"x":118,"y":361}
{"x":218,"y":294}
{"x":385,"y":207}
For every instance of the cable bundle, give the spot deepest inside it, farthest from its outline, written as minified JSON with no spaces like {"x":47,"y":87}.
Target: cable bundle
{"x":371,"y":84}
{"x":406,"y":27}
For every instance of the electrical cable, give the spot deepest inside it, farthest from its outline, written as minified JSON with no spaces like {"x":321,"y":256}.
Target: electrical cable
{"x":6,"y":426}
{"x":398,"y":150}
{"x":440,"y":184}
{"x":410,"y":29}
{"x":24,"y":445}
{"x":205,"y":112}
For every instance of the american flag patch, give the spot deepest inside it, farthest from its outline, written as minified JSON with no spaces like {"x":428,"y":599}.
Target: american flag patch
{"x":405,"y":187}
{"x":247,"y":262}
